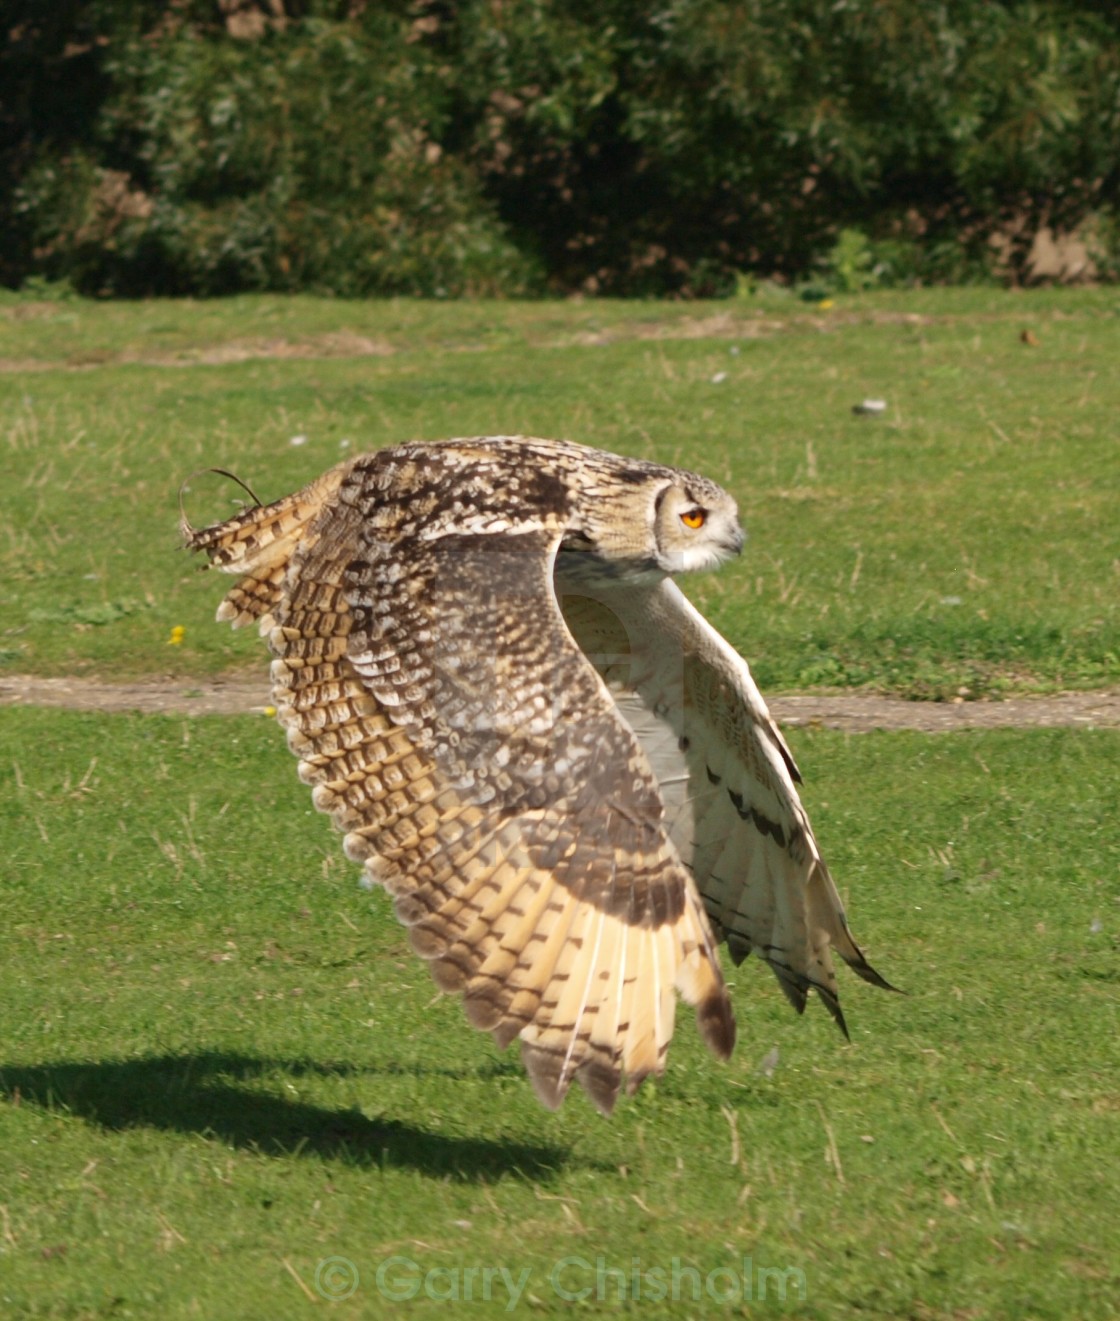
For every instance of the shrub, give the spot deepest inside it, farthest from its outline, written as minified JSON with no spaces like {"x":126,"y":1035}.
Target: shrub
{"x":441,"y":148}
{"x":308,"y":159}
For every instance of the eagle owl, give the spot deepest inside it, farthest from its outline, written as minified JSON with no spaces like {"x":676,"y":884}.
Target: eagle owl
{"x":562,"y":774}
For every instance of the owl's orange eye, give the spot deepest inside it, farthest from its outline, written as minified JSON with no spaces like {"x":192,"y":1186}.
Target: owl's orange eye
{"x":694,"y":518}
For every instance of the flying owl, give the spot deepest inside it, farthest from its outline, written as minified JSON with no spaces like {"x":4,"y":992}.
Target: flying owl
{"x":562,"y":774}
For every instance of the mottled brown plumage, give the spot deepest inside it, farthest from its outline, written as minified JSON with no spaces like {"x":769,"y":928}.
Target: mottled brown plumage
{"x":562,"y":775}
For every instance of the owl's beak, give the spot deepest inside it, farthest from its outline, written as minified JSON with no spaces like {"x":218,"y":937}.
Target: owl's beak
{"x":736,"y":542}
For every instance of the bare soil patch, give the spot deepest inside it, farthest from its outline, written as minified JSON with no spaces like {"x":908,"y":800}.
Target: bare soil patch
{"x":349,"y":344}
{"x":857,"y":712}
{"x":336,"y":344}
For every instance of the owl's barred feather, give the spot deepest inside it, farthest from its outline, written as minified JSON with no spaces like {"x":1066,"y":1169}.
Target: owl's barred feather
{"x":563,"y":777}
{"x":259,"y":544}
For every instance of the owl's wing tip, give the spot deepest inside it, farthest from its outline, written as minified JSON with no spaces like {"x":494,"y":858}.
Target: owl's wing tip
{"x":864,"y":969}
{"x":716,"y":1021}
{"x":196,"y":538}
{"x":549,"y":1083}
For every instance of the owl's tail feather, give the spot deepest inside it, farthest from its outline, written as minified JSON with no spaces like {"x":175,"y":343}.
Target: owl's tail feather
{"x":258,"y":543}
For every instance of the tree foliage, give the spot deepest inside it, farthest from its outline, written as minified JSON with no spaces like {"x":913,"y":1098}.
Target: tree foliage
{"x":476,"y":146}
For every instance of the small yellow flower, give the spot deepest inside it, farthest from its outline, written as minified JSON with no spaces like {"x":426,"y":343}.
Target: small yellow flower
{"x":270,"y":710}
{"x":825,"y":304}
{"x":177,"y":635}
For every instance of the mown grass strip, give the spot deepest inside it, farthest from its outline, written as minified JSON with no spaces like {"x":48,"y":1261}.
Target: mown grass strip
{"x":220,"y":1064}
{"x":965,"y":543}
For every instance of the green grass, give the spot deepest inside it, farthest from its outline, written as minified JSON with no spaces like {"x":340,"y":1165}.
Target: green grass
{"x":968,"y":539}
{"x":220,"y":1065}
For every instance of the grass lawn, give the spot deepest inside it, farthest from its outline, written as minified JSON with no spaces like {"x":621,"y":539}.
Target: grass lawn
{"x":967,"y":539}
{"x":221,"y":1067}
{"x":228,"y":1089}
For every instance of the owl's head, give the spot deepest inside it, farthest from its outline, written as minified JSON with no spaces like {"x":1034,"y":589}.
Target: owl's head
{"x":630,"y":518}
{"x":695,"y":525}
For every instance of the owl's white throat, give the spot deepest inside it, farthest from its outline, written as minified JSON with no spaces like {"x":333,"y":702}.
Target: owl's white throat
{"x":693,"y":559}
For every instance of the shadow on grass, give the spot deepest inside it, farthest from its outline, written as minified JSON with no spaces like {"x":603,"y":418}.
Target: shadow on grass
{"x":207,"y":1093}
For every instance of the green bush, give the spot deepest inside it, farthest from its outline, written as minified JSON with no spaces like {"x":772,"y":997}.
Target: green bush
{"x":664,"y":148}
{"x":437,"y":148}
{"x":306,"y":160}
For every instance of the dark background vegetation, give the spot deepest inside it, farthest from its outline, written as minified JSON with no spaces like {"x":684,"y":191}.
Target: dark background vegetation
{"x":491,"y":147}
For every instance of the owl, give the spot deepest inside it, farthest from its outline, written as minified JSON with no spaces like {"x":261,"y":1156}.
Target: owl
{"x":563,"y":776}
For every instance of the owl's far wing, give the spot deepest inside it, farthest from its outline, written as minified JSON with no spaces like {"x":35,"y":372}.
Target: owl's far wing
{"x":450,"y":726}
{"x":728,"y":780}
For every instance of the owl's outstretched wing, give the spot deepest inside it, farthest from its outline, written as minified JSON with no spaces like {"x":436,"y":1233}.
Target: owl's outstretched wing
{"x":728,"y":781}
{"x":451,"y":727}
{"x":258,"y":545}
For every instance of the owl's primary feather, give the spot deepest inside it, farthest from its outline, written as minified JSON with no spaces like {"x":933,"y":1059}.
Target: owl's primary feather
{"x":561,"y":773}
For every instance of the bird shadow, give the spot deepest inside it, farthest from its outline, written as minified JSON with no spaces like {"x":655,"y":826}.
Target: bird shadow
{"x":217,"y":1094}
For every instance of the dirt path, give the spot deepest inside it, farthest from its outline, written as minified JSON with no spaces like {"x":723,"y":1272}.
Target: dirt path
{"x":851,"y":711}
